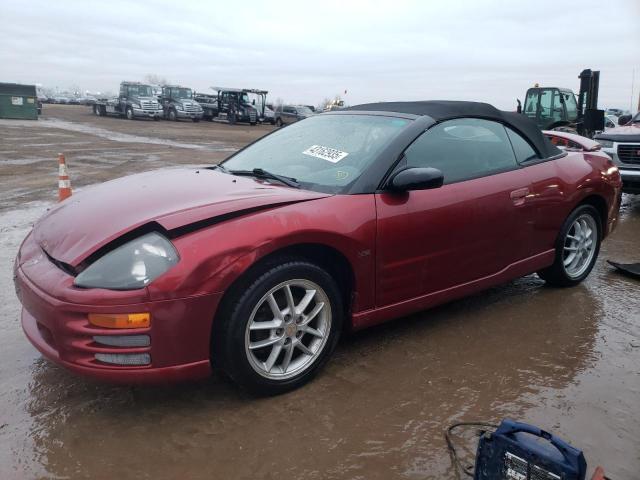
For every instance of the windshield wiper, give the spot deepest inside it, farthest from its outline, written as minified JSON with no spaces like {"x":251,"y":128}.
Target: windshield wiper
{"x":261,"y":173}
{"x":219,"y":167}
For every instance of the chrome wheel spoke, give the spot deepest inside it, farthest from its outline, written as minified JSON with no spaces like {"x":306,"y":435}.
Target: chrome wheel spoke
{"x":291,"y":304}
{"x":316,"y":310}
{"x":263,"y":343}
{"x":569,"y":259}
{"x":303,"y":348}
{"x":269,"y":325}
{"x":311,"y":330}
{"x":306,"y":300}
{"x":275,"y":309}
{"x":287,"y":357}
{"x":273,"y":356}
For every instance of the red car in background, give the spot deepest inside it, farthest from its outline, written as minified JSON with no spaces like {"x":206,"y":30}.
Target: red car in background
{"x":340,"y":221}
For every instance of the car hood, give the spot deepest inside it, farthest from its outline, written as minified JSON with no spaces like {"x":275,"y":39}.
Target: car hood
{"x":172,"y":198}
{"x":626,"y":133}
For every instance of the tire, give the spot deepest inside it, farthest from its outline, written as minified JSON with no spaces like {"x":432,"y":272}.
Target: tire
{"x":574,"y":240}
{"x":129,"y":113}
{"x":172,"y":115}
{"x":278,"y":122}
{"x":299,"y":345}
{"x":97,"y":109}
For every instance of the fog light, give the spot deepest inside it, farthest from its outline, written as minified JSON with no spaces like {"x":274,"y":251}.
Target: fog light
{"x":123,"y":340}
{"x":124,"y":358}
{"x":120,"y":320}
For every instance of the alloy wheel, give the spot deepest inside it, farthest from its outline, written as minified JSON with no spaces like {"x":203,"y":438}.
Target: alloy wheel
{"x":288,"y":329}
{"x":579,"y":245}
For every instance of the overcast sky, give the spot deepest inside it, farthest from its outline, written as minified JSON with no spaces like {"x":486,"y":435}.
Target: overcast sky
{"x":303,"y":51}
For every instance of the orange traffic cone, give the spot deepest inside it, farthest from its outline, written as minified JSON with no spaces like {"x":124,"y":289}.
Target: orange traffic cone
{"x":64,"y":184}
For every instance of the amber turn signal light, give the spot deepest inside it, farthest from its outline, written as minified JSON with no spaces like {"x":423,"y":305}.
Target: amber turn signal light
{"x":120,"y":320}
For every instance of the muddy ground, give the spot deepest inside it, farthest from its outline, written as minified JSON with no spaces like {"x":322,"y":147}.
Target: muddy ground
{"x":566,"y":360}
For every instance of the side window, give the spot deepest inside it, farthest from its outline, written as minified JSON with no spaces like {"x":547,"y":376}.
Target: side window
{"x":523,"y":150}
{"x":570,"y":103}
{"x":531,"y":104}
{"x":546,"y":103}
{"x":463,"y":149}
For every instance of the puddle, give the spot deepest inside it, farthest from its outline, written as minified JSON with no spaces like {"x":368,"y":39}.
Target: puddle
{"x":116,"y":136}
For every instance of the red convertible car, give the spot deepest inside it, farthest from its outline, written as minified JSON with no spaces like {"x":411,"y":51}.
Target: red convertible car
{"x":340,"y":221}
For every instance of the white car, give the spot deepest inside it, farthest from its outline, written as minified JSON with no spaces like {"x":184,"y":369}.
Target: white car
{"x":622,"y":144}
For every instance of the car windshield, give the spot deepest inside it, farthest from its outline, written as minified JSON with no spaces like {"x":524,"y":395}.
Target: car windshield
{"x":304,"y":110}
{"x":325,"y":153}
{"x":183,"y":93}
{"x":140,"y":90}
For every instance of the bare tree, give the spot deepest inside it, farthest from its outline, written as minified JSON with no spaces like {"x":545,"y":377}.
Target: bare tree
{"x":155,"y":79}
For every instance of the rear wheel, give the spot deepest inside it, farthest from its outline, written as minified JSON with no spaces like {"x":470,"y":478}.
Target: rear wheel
{"x":577,"y":248}
{"x":279,"y":328}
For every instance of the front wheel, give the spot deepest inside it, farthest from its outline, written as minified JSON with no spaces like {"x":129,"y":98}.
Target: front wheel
{"x":278,"y":122}
{"x":129,"y":113}
{"x":173,"y":116}
{"x":279,"y":328}
{"x":577,"y":248}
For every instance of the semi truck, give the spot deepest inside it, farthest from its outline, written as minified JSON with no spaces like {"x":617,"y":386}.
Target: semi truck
{"x":135,"y":100}
{"x":178,"y":103}
{"x":233,"y":105}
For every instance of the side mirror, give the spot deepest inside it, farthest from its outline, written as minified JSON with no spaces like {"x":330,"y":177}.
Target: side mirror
{"x":624,"y":119}
{"x":416,"y":178}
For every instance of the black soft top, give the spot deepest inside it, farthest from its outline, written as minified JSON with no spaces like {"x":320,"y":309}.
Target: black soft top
{"x":441,"y":110}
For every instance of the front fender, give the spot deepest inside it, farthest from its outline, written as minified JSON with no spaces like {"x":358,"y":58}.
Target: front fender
{"x":214,"y":257}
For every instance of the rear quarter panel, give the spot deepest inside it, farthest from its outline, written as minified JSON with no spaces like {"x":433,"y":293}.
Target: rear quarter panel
{"x":559,"y":186}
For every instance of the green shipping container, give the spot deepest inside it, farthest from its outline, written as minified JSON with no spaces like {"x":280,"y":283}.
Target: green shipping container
{"x":18,"y":101}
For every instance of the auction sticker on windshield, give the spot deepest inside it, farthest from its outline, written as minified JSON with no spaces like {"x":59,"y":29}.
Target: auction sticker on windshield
{"x":325,"y":153}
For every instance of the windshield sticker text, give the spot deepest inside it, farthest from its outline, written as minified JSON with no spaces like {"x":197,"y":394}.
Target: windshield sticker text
{"x":325,"y":153}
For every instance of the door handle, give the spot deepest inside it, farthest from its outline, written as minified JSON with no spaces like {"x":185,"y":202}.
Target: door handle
{"x":518,"y":197}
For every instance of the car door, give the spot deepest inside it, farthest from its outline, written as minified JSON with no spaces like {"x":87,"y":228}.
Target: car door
{"x":475,"y":225}
{"x":287,"y":116}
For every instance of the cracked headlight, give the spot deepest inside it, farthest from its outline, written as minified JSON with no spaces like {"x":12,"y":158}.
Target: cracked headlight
{"x":130,"y":266}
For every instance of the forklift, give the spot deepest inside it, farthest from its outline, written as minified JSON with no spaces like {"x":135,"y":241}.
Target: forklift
{"x":554,"y":108}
